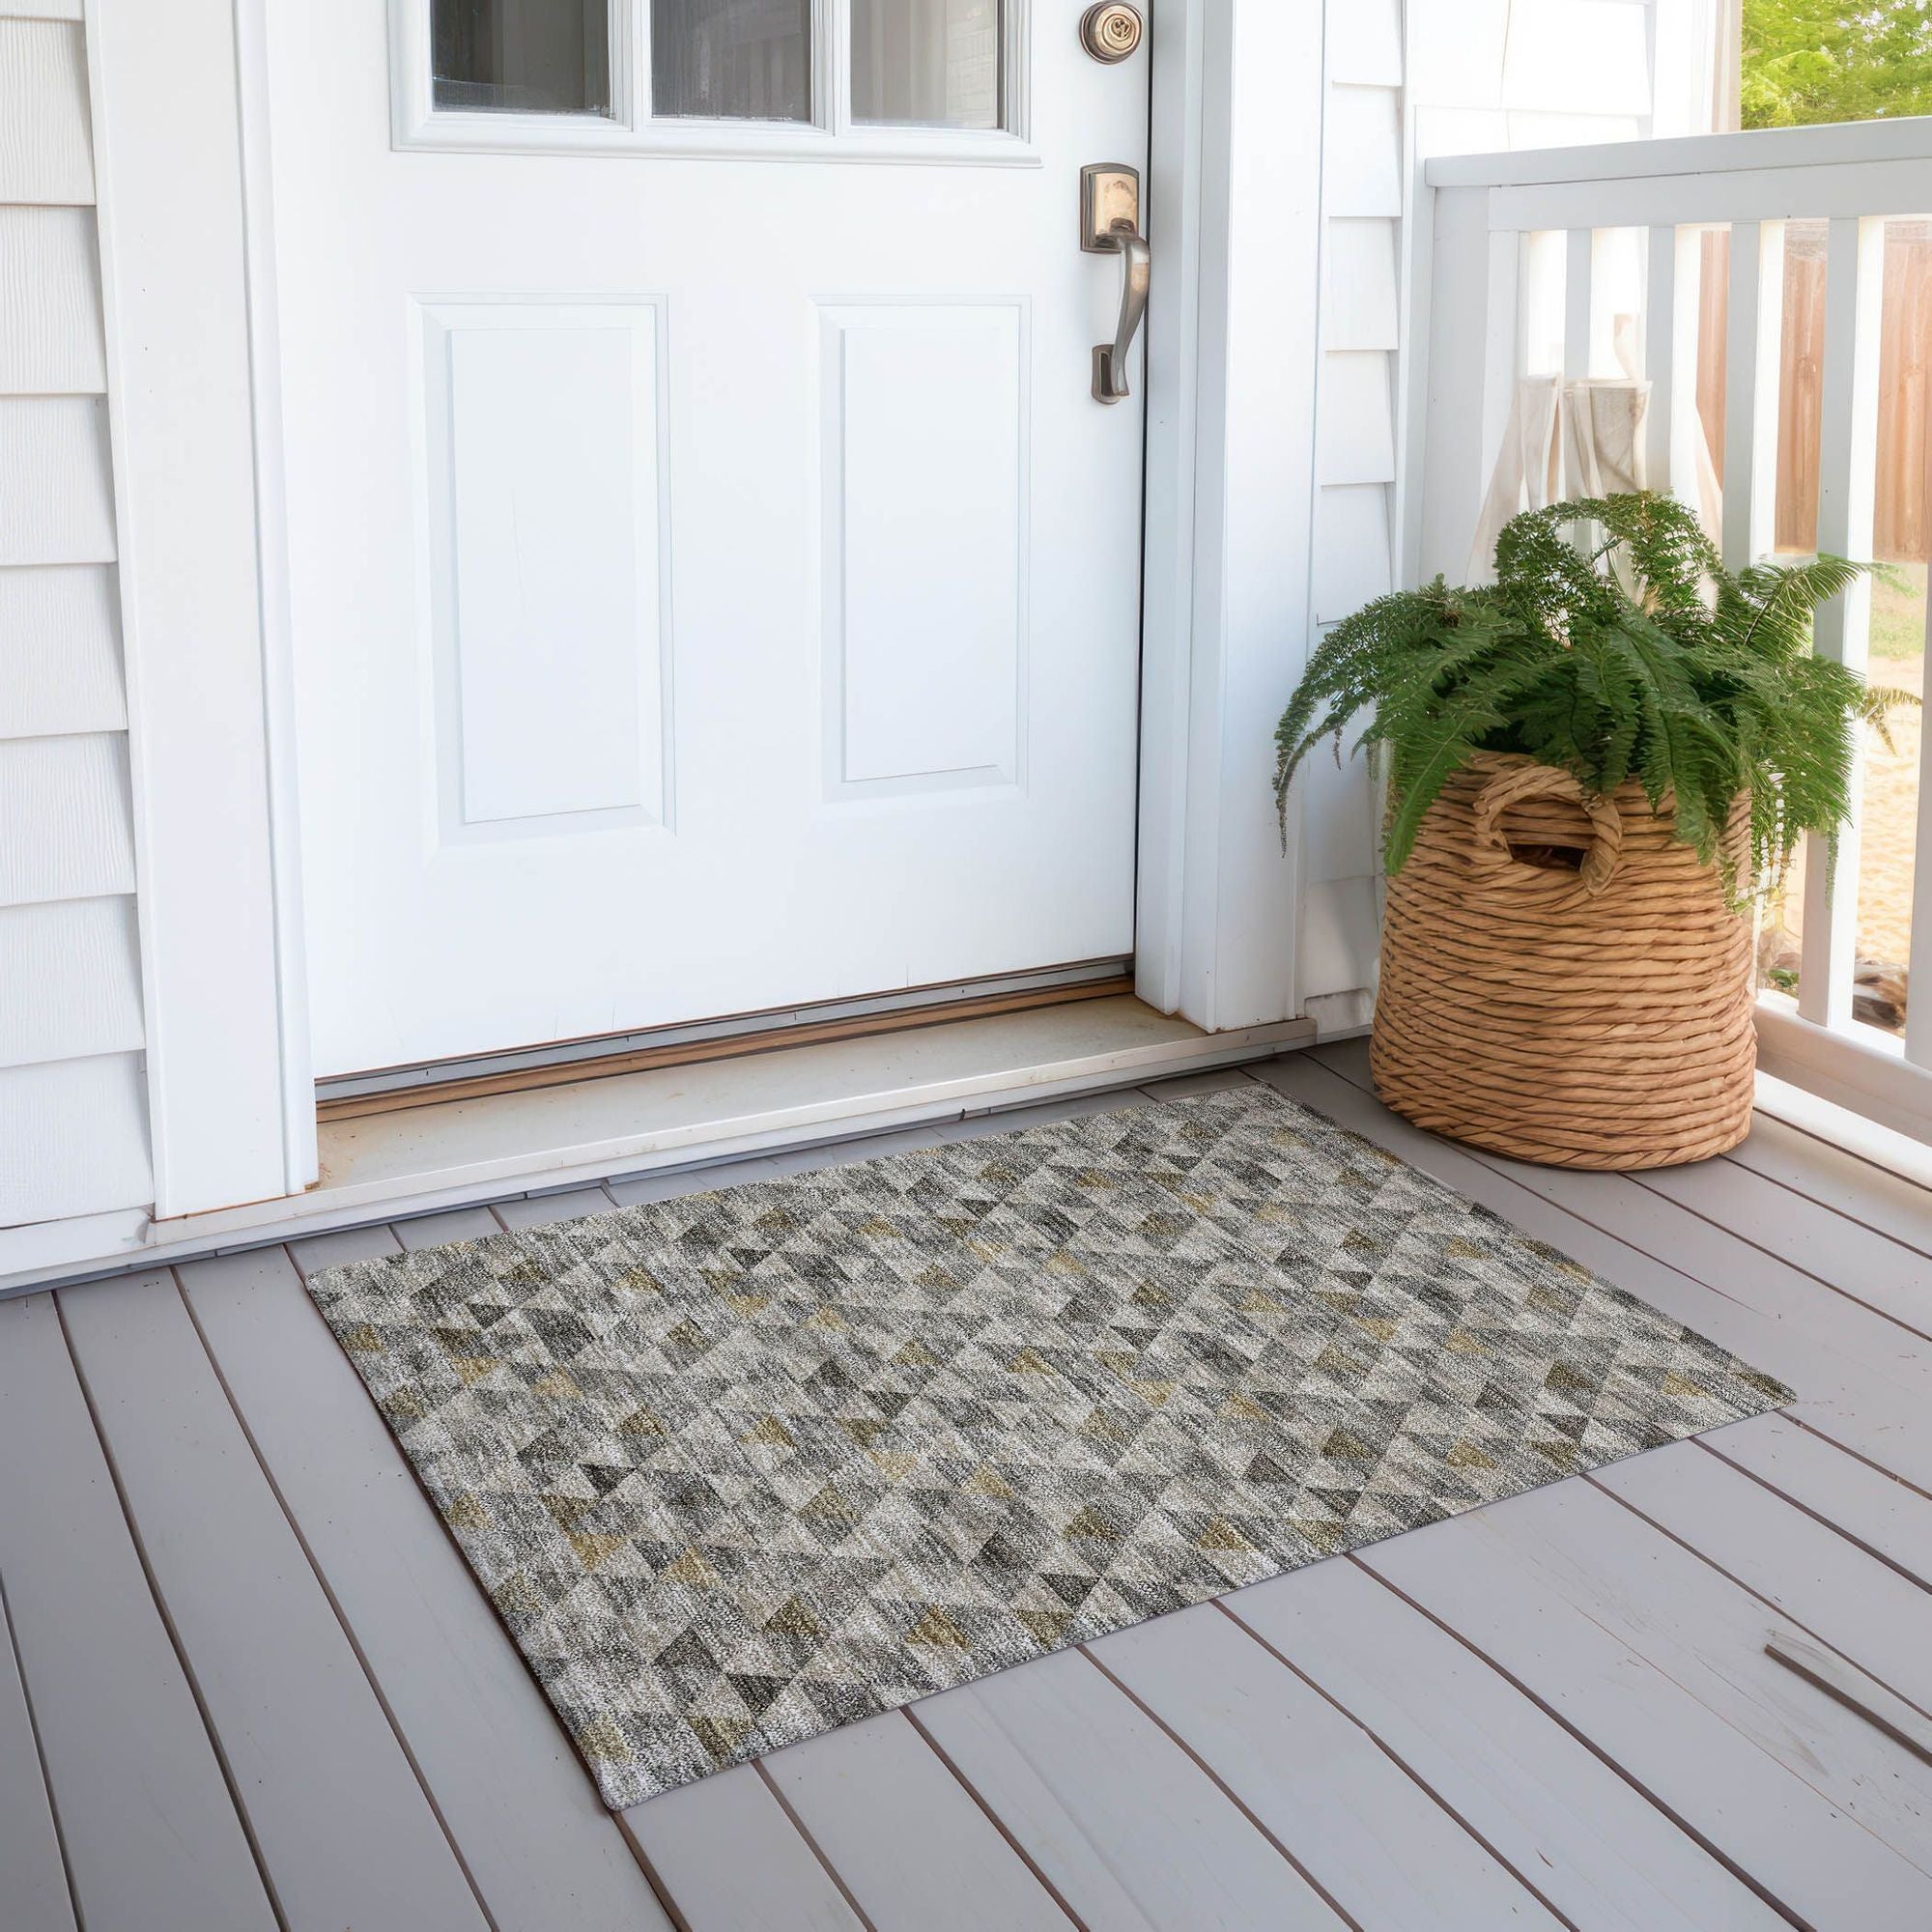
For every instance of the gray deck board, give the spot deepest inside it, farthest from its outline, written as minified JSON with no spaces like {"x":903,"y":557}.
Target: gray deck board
{"x":1857,"y":1260}
{"x":1852,"y":1602}
{"x":1377,"y":1841}
{"x":151,"y":1834}
{"x":1840,"y":1181}
{"x":545,"y":1210}
{"x":1556,"y":1711}
{"x":1663,"y":1229}
{"x":33,"y":1879}
{"x":1872,"y":1507}
{"x":1659,"y":1661}
{"x":453,"y":1224}
{"x":346,"y":1833}
{"x":912,"y":1845}
{"x":1600,"y":1852}
{"x":732,"y":1862}
{"x":538,"y":1841}
{"x":1840,"y":1391}
{"x":1127,"y":1827}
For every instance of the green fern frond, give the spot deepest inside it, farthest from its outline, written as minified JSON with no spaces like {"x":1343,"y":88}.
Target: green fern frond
{"x":1636,"y":655}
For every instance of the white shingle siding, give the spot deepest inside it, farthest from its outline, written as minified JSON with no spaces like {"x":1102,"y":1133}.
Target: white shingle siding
{"x":73,"y":1134}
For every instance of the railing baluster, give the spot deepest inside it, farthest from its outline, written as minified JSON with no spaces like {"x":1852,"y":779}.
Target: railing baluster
{"x":1918,"y":1015}
{"x":1847,"y":482}
{"x":1672,"y":427}
{"x":1578,"y":288}
{"x":1660,"y":359}
{"x":1752,"y":334}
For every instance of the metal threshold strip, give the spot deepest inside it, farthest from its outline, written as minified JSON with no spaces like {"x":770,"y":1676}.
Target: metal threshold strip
{"x":384,"y":1090}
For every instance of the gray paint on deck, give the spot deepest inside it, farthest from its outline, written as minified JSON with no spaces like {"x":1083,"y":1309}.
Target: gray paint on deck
{"x":1447,"y":1773}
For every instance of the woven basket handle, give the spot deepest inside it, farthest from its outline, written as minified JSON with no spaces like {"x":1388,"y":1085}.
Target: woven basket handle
{"x":1491,"y":852}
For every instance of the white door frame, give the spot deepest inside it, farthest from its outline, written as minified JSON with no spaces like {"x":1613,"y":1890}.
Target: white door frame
{"x":183,"y":153}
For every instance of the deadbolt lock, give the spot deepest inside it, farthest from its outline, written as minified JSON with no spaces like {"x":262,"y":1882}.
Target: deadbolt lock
{"x":1110,"y":32}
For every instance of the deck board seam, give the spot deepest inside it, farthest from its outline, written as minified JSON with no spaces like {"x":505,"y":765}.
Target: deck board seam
{"x":1797,"y":1267}
{"x":1798,"y":1193}
{"x":1818,"y":1516}
{"x":673,"y":1910}
{"x":1739,"y":1873}
{"x":1911,"y":1389}
{"x":1797,"y":1421}
{"x":812,"y":1845}
{"x":1396,"y":1758}
{"x":993,"y":1818}
{"x":1227,"y":1791}
{"x":40,"y":1758}
{"x":219,"y":1751}
{"x":1756,"y":1595}
{"x":330,"y":1597}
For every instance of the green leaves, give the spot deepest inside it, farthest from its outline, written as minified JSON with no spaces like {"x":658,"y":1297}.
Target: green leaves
{"x":1637,"y":656}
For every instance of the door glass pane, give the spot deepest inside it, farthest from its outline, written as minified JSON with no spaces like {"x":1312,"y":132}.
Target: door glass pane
{"x":521,"y":56}
{"x":737,"y":60}
{"x":926,"y":62}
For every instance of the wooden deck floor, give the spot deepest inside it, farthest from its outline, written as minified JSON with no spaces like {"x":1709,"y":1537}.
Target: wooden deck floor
{"x":250,"y":1682}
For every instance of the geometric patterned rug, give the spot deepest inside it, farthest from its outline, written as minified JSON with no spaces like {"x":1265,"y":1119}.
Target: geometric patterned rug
{"x":740,"y":1467}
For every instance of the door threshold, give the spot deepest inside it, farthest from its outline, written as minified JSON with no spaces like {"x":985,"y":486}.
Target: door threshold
{"x":417,"y":1160}
{"x":391,"y":1090}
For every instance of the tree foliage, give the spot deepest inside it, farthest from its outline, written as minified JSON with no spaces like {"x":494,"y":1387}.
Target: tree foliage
{"x":1835,"y":60}
{"x":1633,"y":655}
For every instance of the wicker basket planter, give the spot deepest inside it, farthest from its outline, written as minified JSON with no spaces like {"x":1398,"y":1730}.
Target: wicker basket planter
{"x":1599,"y":1016}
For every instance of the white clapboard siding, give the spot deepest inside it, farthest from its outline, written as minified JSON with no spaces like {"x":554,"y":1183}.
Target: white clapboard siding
{"x":45,"y":152}
{"x":60,"y":652}
{"x":49,"y":303}
{"x":1361,"y":143}
{"x":72,"y":981}
{"x":1361,"y":285}
{"x":74,"y":1138}
{"x":1456,"y":53}
{"x":56,"y":489}
{"x":1352,"y":562}
{"x":1364,"y":43}
{"x":1578,"y":56}
{"x":1356,"y":433}
{"x":63,"y":808}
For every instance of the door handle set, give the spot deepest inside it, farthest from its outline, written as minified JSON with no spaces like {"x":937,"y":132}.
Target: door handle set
{"x":1110,"y":224}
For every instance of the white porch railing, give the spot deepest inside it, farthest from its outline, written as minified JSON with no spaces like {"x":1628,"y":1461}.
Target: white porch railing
{"x":1523,"y":264}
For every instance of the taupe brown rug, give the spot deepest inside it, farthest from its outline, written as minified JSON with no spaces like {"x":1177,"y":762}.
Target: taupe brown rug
{"x":742,"y":1466}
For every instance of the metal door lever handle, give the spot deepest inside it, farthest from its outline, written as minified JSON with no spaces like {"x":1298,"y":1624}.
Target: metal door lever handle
{"x":1109,"y":358}
{"x":1110,"y":224}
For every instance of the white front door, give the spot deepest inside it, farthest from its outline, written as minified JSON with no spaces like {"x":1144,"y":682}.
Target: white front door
{"x":714,"y":584}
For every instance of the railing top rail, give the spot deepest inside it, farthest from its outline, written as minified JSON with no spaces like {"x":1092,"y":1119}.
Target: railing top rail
{"x":1854,"y":141}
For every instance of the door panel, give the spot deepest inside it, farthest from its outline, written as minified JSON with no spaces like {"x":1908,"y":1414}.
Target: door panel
{"x":715,"y":586}
{"x":925,"y":515}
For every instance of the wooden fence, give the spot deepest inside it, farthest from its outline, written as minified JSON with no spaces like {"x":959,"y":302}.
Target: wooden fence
{"x":1903,"y":523}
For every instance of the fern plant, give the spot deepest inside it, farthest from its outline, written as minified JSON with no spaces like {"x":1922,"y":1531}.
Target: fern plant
{"x":1614,"y":645}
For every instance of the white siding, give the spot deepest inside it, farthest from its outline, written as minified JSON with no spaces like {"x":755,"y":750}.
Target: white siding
{"x":45,"y":153}
{"x":49,"y":303}
{"x":56,"y":486}
{"x":1408,"y":79}
{"x":86,"y":948}
{"x":60,"y":652}
{"x":74,"y":1138}
{"x":73,"y":1134}
{"x":1363,"y":196}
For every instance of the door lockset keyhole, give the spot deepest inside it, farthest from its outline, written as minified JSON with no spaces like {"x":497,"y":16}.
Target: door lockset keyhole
{"x":1110,"y":32}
